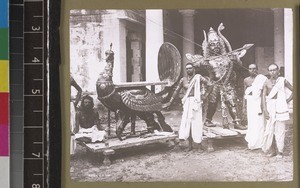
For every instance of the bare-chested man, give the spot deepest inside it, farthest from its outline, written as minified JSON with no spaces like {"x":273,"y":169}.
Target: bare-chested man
{"x":191,"y":126}
{"x":253,"y":86}
{"x":87,"y":125}
{"x":276,"y":111}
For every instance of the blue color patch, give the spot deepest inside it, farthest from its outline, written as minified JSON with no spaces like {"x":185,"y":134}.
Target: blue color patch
{"x":3,"y":13}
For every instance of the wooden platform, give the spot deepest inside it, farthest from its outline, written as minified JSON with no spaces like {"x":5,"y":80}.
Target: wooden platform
{"x":111,"y":145}
{"x":220,"y":132}
{"x":108,"y":148}
{"x":130,"y":142}
{"x":211,"y":133}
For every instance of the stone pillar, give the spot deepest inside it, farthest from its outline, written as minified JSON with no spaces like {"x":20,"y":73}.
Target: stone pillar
{"x":288,"y":44}
{"x":278,"y":37}
{"x":188,"y":34}
{"x":114,"y":31}
{"x":283,"y":42}
{"x":154,"y":39}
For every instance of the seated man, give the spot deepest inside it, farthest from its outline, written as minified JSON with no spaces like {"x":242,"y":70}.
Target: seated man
{"x":87,"y":124}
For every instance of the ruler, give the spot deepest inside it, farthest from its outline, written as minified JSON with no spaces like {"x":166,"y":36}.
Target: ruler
{"x":35,"y":143}
{"x":28,"y":101}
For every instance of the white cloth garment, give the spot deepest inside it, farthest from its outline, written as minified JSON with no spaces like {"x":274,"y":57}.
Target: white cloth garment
{"x":191,"y":121}
{"x":92,"y":133}
{"x":255,"y":117}
{"x":278,"y":112}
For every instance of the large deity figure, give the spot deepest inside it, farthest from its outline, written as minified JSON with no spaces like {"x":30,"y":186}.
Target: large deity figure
{"x":219,"y":62}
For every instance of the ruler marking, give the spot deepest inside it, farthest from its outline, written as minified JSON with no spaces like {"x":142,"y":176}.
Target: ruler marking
{"x":33,"y":95}
{"x":33,"y":1}
{"x":33,"y":127}
{"x":37,"y":142}
{"x":27,"y":158}
{"x":38,"y":174}
{"x":10,"y":4}
{"x":37,"y":32}
{"x":33,"y":63}
{"x":38,"y":16}
{"x":37,"y":111}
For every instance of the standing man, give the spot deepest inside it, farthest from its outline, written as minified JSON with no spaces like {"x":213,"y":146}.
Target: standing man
{"x":275,"y":108}
{"x":191,"y":126}
{"x":253,"y":86}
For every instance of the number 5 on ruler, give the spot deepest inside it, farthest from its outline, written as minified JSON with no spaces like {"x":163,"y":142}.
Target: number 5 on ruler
{"x":35,"y":91}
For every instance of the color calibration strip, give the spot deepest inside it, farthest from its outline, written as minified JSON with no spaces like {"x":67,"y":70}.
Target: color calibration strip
{"x":16,"y":82}
{"x":4,"y":96}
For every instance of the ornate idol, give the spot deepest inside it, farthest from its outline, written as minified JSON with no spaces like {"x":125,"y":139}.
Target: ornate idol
{"x":219,"y":58}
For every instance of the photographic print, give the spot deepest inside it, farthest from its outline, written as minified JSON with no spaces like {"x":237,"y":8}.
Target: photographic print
{"x":185,"y":95}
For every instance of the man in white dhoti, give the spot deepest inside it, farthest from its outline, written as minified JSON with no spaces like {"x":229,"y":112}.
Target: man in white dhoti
{"x":87,"y":123}
{"x":275,"y":108}
{"x":252,"y":100}
{"x":191,"y":126}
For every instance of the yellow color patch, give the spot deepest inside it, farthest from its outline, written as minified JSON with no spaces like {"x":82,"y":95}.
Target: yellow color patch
{"x":4,"y":73}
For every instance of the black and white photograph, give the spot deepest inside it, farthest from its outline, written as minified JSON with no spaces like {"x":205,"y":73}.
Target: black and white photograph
{"x":181,"y":95}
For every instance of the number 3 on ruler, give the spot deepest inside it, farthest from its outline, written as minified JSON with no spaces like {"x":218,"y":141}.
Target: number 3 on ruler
{"x":35,"y":28}
{"x":36,"y":186}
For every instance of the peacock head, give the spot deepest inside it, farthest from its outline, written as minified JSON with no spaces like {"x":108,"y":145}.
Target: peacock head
{"x":107,"y":73}
{"x":109,"y":54}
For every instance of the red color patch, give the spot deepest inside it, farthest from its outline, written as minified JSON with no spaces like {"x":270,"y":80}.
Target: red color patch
{"x":4,"y":109}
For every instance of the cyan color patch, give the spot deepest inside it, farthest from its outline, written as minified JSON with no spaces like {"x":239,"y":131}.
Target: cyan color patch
{"x":3,"y":13}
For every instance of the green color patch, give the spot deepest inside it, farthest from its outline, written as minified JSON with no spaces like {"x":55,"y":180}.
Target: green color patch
{"x":4,"y":44}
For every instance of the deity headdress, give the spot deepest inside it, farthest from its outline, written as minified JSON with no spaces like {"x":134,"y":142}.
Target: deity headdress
{"x":213,"y":36}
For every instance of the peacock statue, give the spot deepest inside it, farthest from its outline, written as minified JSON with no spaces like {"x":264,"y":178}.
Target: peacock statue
{"x":130,"y":101}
